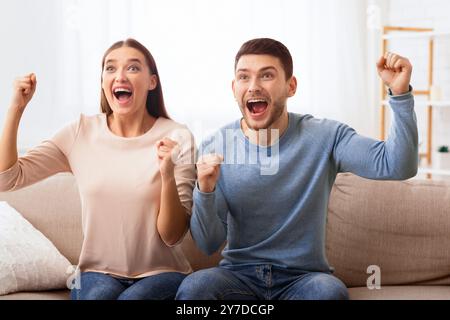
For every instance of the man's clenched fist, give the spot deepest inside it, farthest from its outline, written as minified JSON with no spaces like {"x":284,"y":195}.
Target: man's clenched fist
{"x":395,"y":71}
{"x":208,"y":170}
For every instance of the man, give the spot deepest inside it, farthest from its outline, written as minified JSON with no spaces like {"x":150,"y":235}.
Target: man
{"x":274,"y":220}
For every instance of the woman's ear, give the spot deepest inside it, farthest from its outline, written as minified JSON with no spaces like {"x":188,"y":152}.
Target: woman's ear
{"x":153,"y":82}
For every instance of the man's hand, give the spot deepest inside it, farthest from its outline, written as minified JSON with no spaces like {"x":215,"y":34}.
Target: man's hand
{"x":395,"y":71}
{"x":208,"y":170}
{"x":168,"y":151}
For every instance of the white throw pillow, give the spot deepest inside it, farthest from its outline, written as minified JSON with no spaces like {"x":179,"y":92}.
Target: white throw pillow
{"x":28,"y":260}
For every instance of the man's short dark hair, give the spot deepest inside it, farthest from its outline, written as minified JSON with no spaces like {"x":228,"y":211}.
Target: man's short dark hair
{"x":270,"y":47}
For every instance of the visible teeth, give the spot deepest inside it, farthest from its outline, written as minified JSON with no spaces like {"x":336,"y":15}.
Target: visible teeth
{"x":122,"y":90}
{"x":256,"y":100}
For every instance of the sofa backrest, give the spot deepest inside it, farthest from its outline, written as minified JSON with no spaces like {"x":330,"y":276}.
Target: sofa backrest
{"x":401,"y":227}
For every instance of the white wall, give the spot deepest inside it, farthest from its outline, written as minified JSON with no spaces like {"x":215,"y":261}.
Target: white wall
{"x":194,"y":43}
{"x":428,"y":14}
{"x":26,"y":47}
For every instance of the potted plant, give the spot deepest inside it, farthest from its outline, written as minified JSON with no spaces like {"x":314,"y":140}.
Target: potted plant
{"x":443,"y":158}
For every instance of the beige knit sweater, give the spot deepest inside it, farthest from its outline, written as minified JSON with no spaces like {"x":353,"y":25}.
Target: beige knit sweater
{"x":120,"y":188}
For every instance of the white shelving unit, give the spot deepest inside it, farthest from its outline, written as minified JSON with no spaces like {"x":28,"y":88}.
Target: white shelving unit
{"x":390,"y":34}
{"x":423,"y":103}
{"x":416,"y":35}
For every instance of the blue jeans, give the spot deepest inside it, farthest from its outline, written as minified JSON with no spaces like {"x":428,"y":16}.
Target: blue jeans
{"x":99,"y":286}
{"x":262,"y":282}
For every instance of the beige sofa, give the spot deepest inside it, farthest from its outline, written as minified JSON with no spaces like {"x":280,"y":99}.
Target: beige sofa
{"x":403,"y":228}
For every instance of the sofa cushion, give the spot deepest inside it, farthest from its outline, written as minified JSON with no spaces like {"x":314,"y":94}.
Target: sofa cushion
{"x":38,"y":295}
{"x":401,"y":293}
{"x":28,"y":260}
{"x":198,"y":259}
{"x":53,"y":207}
{"x":402,"y":227}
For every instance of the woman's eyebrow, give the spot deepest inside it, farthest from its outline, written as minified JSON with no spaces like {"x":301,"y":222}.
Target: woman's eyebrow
{"x":128,"y":61}
{"x":135,"y":60}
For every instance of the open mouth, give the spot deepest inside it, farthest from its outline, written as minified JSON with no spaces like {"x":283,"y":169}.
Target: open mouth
{"x":257,"y":106}
{"x":122,"y":94}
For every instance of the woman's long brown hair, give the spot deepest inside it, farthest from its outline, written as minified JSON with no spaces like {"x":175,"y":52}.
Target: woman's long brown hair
{"x":155,"y":100}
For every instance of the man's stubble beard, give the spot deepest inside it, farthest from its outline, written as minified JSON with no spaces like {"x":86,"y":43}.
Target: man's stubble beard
{"x":277,"y":110}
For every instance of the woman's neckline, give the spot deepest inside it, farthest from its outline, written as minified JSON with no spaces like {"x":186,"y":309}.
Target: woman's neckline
{"x":111,"y":133}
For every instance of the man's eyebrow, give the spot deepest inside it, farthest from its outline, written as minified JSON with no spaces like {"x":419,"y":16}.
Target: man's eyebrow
{"x":267,"y":68}
{"x":260,"y":70}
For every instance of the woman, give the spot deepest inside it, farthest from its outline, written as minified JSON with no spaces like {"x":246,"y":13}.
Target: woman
{"x":136,"y":201}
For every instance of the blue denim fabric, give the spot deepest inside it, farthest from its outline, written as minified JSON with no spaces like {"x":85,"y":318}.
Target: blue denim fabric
{"x":262,"y":282}
{"x":99,"y":286}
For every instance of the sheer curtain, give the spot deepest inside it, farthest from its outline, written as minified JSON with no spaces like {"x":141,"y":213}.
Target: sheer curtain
{"x":194,"y":43}
{"x":333,"y":62}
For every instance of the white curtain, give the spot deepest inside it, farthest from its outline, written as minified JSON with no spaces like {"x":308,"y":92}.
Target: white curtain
{"x":332,"y":62}
{"x":194,"y":43}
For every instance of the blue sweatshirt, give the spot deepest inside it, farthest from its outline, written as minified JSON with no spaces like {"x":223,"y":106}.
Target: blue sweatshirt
{"x":270,"y":204}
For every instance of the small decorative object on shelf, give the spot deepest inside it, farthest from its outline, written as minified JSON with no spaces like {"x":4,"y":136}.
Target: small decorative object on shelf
{"x":443,"y":149}
{"x":443,"y":158}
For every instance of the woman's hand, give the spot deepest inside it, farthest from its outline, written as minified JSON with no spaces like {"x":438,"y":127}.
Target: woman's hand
{"x":24,"y":88}
{"x":168,"y":151}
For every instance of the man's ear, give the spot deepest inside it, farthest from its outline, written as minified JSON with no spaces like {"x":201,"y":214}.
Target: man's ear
{"x":232,"y":88}
{"x":153,"y":82}
{"x":292,"y":86}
